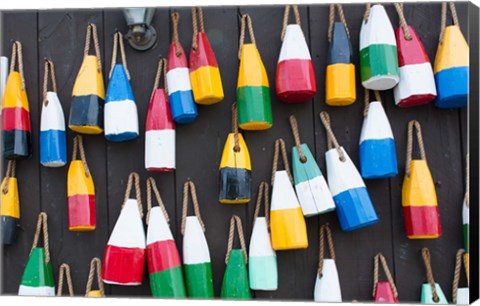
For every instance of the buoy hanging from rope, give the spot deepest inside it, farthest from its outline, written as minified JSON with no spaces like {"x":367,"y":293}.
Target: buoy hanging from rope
{"x":95,"y":268}
{"x":10,"y":205}
{"x":327,"y":283}
{"x":431,"y":292}
{"x":383,"y":291}
{"x":460,"y":296}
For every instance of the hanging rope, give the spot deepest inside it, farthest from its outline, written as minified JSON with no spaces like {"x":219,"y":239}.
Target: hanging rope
{"x":131,"y":178}
{"x":428,"y":268}
{"x":64,"y":269}
{"x":176,"y":40}
{"x":331,"y":20}
{"x":9,"y":174}
{"x":325,"y":231}
{"x":280,"y":146}
{"x":411,"y":125}
{"x":118,"y":41}
{"x":367,"y":100}
{"x":17,"y":53}
{"x":331,"y":140}
{"x":296,"y":137}
{"x":78,"y":143}
{"x":285,"y":18}
{"x":443,"y":22}
{"x":236,"y":147}
{"x":190,"y":185}
{"x":49,"y":67}
{"x":456,"y":277}
{"x":236,"y":219}
{"x":162,"y":63}
{"x":95,"y":266}
{"x":263,"y":192}
{"x":196,"y":11}
{"x":246,"y":19}
{"x":42,"y":226}
{"x":366,"y":15}
{"x":403,"y":21}
{"x":467,"y":181}
{"x":92,"y":31}
{"x":151,"y":184}
{"x":386,"y":270}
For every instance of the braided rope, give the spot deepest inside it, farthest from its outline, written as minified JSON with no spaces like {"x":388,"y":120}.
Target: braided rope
{"x":285,"y":18}
{"x":428,"y":268}
{"x":95,"y":265}
{"x":118,"y":42}
{"x":64,"y":270}
{"x":246,"y":20}
{"x":190,"y":185}
{"x":134,"y":178}
{"x":92,"y":31}
{"x":280,"y":147}
{"x":263,"y":192}
{"x":78,"y":143}
{"x":236,"y":219}
{"x":331,"y":20}
{"x":196,"y":11}
{"x":42,"y":226}
{"x":9,"y":174}
{"x":17,"y":53}
{"x":152,"y":185}
{"x":331,"y":140}
{"x":414,"y":124}
{"x":296,"y":137}
{"x":49,"y":67}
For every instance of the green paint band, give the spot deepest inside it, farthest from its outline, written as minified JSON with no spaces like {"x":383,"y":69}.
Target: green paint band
{"x":254,"y":104}
{"x":198,"y":280}
{"x":378,"y":60}
{"x":168,"y":283}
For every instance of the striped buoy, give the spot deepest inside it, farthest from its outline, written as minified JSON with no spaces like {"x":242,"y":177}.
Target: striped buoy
{"x":378,"y":157}
{"x":262,"y":260}
{"x":419,"y":199}
{"x":37,"y":278}
{"x":383,"y":291}
{"x":15,"y":111}
{"x":3,"y":75}
{"x":431,"y":292}
{"x":65,"y":270}
{"x":417,"y":84}
{"x":452,"y":64}
{"x":353,"y":204}
{"x":235,"y":167}
{"x":287,"y":223}
{"x":124,"y":257}
{"x":10,"y":205}
{"x":121,"y":116}
{"x":327,"y":283}
{"x":164,"y":266}
{"x":295,"y":78}
{"x":53,"y":139}
{"x":95,"y":267}
{"x":378,"y":50}
{"x":80,"y":191}
{"x":460,"y":296}
{"x":204,"y":73}
{"x":253,"y":91}
{"x":86,"y":112}
{"x":160,"y":128}
{"x":180,"y":92}
{"x":340,"y":76}
{"x":235,"y":279}
{"x":312,"y":189}
{"x":196,"y":256}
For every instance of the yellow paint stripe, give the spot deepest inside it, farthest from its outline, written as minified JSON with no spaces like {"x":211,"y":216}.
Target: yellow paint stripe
{"x":14,"y":96}
{"x":89,"y":80}
{"x":77,"y":182}
{"x":9,"y":202}
{"x":207,"y":85}
{"x":233,"y":159}
{"x":288,"y":229}
{"x":419,"y":189}
{"x":251,"y":71}
{"x":453,"y":51}
{"x":340,"y":84}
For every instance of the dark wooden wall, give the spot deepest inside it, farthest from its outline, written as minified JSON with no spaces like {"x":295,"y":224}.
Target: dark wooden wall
{"x":59,"y":35}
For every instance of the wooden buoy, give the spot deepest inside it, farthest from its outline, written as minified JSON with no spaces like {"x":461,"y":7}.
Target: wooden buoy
{"x":235,"y":279}
{"x":287,"y":224}
{"x":295,"y":78}
{"x":160,"y":128}
{"x":378,"y":50}
{"x":204,"y":72}
{"x":312,"y":189}
{"x":431,"y":292}
{"x":121,"y":115}
{"x":65,"y":270}
{"x":53,"y":139}
{"x":10,"y":205}
{"x":235,"y":167}
{"x":180,"y":92}
{"x":253,"y":91}
{"x":3,"y":75}
{"x":327,"y":283}
{"x":419,"y":199}
{"x":80,"y":191}
{"x":124,"y":256}
{"x":383,"y":291}
{"x":15,"y":110}
{"x":352,"y":200}
{"x":340,"y":76}
{"x":37,"y":278}
{"x":451,"y":66}
{"x":460,"y":296}
{"x":164,"y":266}
{"x":417,"y":84}
{"x":196,"y":255}
{"x":95,"y":268}
{"x":378,"y":157}
{"x":86,"y":112}
{"x":262,"y":259}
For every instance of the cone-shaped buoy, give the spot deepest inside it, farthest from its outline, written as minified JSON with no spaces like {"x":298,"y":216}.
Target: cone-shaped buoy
{"x":95,"y":267}
{"x":427,"y":295}
{"x":378,"y":50}
{"x":327,"y":283}
{"x":124,"y":257}
{"x":383,"y":291}
{"x":463,"y":296}
{"x":10,"y":205}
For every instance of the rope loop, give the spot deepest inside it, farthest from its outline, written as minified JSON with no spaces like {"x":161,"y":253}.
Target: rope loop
{"x":414,"y":124}
{"x":78,"y":146}
{"x":118,"y":43}
{"x":331,"y":140}
{"x":325,"y":231}
{"x":331,"y":20}
{"x":296,"y":137}
{"x":380,"y":258}
{"x":403,"y":21}
{"x":17,"y":54}
{"x":280,"y":147}
{"x":189,"y":185}
{"x":263,"y":193}
{"x":10,"y":173}
{"x":49,"y":69}
{"x":428,"y":268}
{"x":197,"y":11}
{"x":42,"y":227}
{"x":285,"y":18}
{"x":152,"y":185}
{"x":95,"y":266}
{"x":162,"y":66}
{"x":134,"y":178}
{"x":92,"y":32}
{"x":64,"y":270}
{"x":246,"y":21}
{"x":236,"y":219}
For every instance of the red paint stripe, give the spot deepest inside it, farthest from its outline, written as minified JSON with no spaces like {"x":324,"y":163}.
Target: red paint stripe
{"x":410,"y":51}
{"x":384,"y":293}
{"x":82,"y":210}
{"x":295,"y":77}
{"x":416,"y":100}
{"x":422,"y":220}
{"x":159,"y":116}
{"x":204,"y":55}
{"x":175,"y":61}
{"x":16,"y":118}
{"x":160,"y":169}
{"x":123,"y":265}
{"x":162,"y":255}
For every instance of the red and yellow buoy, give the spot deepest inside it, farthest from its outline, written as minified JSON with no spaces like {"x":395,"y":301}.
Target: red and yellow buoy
{"x":9,"y":205}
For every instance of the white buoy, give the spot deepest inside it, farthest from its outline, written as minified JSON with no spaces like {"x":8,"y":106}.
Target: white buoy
{"x":327,"y":285}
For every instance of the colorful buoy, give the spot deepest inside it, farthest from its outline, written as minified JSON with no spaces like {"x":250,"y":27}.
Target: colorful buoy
{"x":295,"y":78}
{"x":287,"y":223}
{"x":383,"y":291}
{"x":353,"y":204}
{"x":121,"y":116}
{"x":80,"y":191}
{"x":378,"y":157}
{"x":419,"y":199}
{"x":431,"y":292}
{"x":16,"y":128}
{"x":340,"y":76}
{"x":452,"y":64}
{"x":124,"y":256}
{"x":37,"y":278}
{"x":312,"y":189}
{"x":86,"y":112}
{"x":204,"y":72}
{"x":95,"y":267}
{"x":10,"y":205}
{"x":253,"y":91}
{"x":327,"y":283}
{"x":378,"y":50}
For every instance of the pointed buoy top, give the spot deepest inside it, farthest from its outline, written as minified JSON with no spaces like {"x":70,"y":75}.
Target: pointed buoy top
{"x":410,"y":51}
{"x":340,"y":50}
{"x":378,"y":29}
{"x":175,"y":61}
{"x":204,"y":55}
{"x":119,"y":88}
{"x":159,"y":116}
